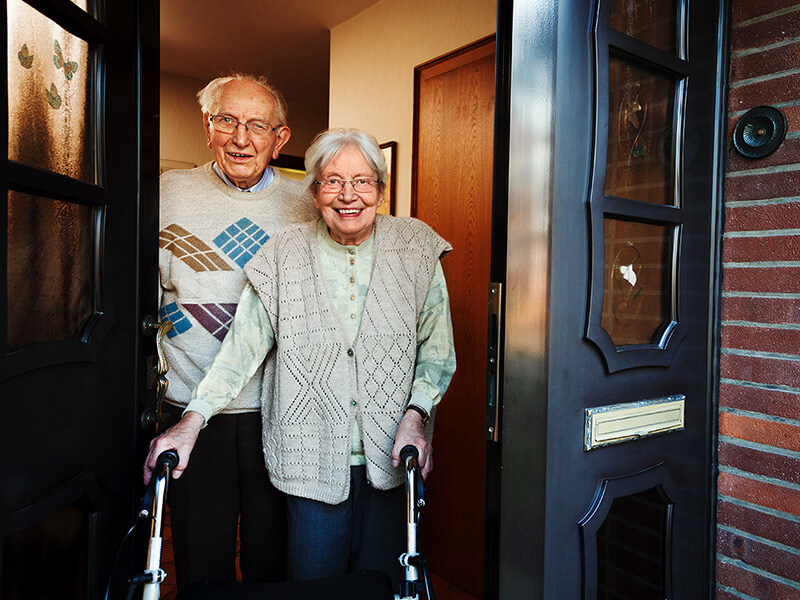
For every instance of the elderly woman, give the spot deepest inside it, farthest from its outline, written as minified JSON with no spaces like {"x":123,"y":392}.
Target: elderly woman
{"x":357,"y":310}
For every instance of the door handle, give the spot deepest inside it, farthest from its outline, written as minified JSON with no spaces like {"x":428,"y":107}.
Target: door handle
{"x":151,"y":416}
{"x":493,"y":362}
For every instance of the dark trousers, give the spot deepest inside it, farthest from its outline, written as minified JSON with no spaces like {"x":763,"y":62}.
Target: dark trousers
{"x":226,"y":488}
{"x":365,"y":532}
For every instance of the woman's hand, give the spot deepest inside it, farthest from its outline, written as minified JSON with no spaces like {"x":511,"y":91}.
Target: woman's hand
{"x":182,"y":437}
{"x":410,"y":432}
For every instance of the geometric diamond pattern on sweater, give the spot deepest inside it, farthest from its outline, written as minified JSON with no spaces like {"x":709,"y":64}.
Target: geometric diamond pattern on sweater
{"x":191,"y":249}
{"x":215,"y":318}
{"x":180,"y":322}
{"x":241,"y":240}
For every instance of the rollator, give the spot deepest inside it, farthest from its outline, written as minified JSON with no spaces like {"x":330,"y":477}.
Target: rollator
{"x":367,"y":585}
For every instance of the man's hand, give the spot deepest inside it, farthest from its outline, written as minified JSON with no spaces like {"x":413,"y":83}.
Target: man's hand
{"x":410,"y":432}
{"x":182,"y":437}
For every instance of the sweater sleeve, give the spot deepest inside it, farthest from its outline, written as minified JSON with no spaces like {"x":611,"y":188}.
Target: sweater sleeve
{"x":436,"y":355}
{"x":249,"y":340}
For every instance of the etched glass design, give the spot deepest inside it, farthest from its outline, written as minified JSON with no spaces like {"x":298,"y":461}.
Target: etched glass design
{"x":50,"y":269}
{"x":49,"y":104}
{"x":641,"y":139}
{"x":654,"y":22}
{"x":637,"y":287}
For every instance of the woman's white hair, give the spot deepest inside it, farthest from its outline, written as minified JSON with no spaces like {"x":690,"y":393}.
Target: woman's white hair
{"x":330,"y":142}
{"x":209,"y":96}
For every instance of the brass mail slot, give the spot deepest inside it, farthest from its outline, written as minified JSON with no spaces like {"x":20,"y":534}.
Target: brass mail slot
{"x":619,"y":423}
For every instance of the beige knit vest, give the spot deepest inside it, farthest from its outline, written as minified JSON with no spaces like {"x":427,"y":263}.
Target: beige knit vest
{"x":322,"y":383}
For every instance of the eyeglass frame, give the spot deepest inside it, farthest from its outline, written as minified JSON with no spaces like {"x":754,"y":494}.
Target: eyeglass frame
{"x":375,"y":182}
{"x":246,"y":128}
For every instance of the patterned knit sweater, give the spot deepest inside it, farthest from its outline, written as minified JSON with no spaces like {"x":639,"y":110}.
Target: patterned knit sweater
{"x":322,"y":383}
{"x":208,"y":233}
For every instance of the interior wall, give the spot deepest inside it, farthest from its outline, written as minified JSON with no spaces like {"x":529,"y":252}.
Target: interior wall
{"x":181,"y":126}
{"x":373,"y":56}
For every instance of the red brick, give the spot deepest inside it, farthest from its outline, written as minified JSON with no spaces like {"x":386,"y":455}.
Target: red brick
{"x":774,"y":60}
{"x":744,"y":10}
{"x":760,"y":431}
{"x":768,"y":31}
{"x":761,"y":524}
{"x":783,"y":215}
{"x":758,"y":462}
{"x":783,"y":184}
{"x":775,"y":280}
{"x":768,"y":248}
{"x":761,"y":370}
{"x":757,"y":492}
{"x":788,"y":153}
{"x":779,"y":89}
{"x":754,"y":585}
{"x":759,"y":555}
{"x":761,"y":339}
{"x":766,"y":402}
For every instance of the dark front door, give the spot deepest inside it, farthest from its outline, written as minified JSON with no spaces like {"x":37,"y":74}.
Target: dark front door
{"x":79,"y":225}
{"x":607,"y":396}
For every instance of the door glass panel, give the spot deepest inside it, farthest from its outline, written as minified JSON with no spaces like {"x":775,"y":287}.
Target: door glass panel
{"x":638,"y":281}
{"x":48,"y":559}
{"x":632,"y":548}
{"x":641,"y":153}
{"x":653,"y":22}
{"x":50,"y":269}
{"x":49,"y":100}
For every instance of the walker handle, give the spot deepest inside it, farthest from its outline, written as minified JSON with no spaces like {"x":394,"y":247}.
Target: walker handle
{"x":165,"y":464}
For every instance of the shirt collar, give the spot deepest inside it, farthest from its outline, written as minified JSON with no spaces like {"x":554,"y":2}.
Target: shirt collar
{"x":266,"y":178}
{"x":327,"y":244}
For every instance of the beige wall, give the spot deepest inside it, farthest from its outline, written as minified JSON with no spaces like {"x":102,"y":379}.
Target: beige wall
{"x":373,"y":57}
{"x":181,"y":128}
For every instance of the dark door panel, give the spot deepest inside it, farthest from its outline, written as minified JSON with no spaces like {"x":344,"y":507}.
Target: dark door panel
{"x":613,"y":198}
{"x":76,"y":238}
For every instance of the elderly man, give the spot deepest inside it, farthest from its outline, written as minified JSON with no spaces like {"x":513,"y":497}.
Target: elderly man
{"x":213,"y":220}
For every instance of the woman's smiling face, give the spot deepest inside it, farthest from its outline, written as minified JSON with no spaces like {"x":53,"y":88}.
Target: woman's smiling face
{"x":348,"y":214}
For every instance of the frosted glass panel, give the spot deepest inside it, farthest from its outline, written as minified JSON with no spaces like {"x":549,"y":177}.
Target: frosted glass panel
{"x":49,"y":107}
{"x":641,"y":153}
{"x":637,"y":287}
{"x":50,"y":269}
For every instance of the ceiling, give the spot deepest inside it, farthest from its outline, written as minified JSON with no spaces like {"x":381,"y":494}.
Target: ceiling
{"x":287,"y":40}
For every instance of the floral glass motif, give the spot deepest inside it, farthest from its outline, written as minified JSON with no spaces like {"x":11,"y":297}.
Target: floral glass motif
{"x":49,"y":104}
{"x":641,"y":139}
{"x":637,"y":287}
{"x":654,"y":22}
{"x":50,"y":269}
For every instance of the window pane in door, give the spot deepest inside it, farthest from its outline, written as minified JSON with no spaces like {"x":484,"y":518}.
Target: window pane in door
{"x":653,"y":22}
{"x":641,"y":153}
{"x":49,"y":101}
{"x":637,"y":292}
{"x":50,"y":269}
{"x":632,"y":548}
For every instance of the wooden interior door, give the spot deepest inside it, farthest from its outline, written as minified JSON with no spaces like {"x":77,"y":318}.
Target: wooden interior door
{"x":452,"y":192}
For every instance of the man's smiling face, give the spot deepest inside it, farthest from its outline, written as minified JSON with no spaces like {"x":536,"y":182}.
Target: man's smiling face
{"x":242,"y":156}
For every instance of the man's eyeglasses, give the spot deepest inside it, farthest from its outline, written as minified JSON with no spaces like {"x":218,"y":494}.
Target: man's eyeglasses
{"x":255,"y":127}
{"x":361,"y":185}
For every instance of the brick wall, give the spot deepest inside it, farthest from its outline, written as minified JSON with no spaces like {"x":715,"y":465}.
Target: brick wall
{"x":758,"y":541}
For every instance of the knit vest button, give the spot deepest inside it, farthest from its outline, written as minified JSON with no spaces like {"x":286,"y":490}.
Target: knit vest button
{"x":353,"y":402}
{"x":349,"y":352}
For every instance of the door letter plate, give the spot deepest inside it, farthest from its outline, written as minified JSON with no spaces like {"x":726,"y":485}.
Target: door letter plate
{"x":619,"y":423}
